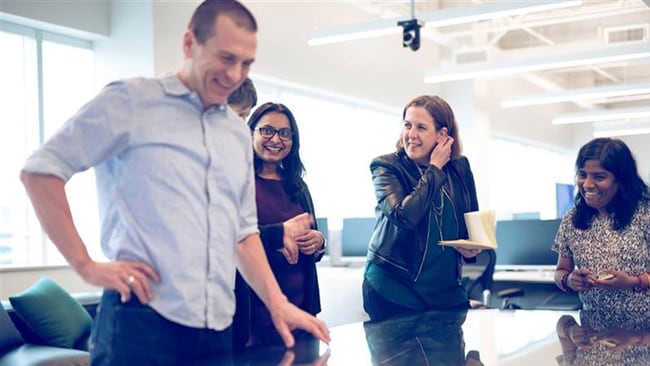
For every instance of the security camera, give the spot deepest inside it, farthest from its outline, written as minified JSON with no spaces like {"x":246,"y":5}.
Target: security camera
{"x":411,"y":33}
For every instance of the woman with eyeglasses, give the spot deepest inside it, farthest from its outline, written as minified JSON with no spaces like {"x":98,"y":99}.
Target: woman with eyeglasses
{"x":283,"y":201}
{"x":422,"y":191}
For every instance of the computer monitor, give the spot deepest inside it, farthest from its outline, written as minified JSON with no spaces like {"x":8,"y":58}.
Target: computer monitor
{"x":526,"y":243}
{"x":564,"y":196}
{"x":323,"y":227}
{"x":355,"y":235}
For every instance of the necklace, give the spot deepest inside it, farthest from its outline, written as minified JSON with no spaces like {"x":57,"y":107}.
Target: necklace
{"x":438,"y":209}
{"x":438,"y":212}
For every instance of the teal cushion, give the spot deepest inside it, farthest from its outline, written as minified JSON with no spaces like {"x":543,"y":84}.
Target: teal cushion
{"x":52,"y":314}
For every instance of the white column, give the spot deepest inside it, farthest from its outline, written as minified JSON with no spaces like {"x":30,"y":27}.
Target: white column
{"x":467,"y":98}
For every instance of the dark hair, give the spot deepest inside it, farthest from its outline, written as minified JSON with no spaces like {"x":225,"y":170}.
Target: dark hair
{"x":442,"y":115}
{"x":204,"y":17}
{"x":615,"y":157}
{"x":245,"y":94}
{"x":292,"y":169}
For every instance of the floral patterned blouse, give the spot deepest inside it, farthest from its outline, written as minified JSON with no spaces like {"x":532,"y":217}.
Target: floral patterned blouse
{"x":600,"y":247}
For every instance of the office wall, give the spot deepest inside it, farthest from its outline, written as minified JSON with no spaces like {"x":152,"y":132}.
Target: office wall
{"x":122,"y":31}
{"x":472,"y":116}
{"x":89,"y":18}
{"x":638,"y":144}
{"x":170,"y":23}
{"x":529,"y":123}
{"x":13,"y":281}
{"x":129,"y":51}
{"x":641,"y":150}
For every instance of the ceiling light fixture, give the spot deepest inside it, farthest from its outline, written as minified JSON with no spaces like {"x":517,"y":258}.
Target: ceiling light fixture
{"x":557,"y":60}
{"x":608,"y":129}
{"x":601,"y":115}
{"x":436,"y":18}
{"x":353,"y":32}
{"x":576,"y":95}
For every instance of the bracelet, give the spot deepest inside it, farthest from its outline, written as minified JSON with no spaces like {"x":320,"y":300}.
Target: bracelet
{"x":639,"y":287}
{"x":564,"y":286}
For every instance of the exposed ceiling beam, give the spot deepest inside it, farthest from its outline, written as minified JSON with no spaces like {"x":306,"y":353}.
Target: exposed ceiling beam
{"x":555,"y":60}
{"x":590,"y":11}
{"x":612,"y":114}
{"x":607,"y":129}
{"x":437,"y":18}
{"x":576,"y":95}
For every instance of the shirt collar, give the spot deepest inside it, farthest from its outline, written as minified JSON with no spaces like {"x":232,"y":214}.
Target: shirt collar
{"x":174,"y":86}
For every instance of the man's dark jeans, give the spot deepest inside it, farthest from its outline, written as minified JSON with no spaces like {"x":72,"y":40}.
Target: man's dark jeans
{"x":134,"y":334}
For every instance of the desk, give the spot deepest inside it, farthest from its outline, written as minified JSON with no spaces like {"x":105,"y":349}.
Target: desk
{"x":526,"y":276}
{"x":501,"y":337}
{"x":540,"y":291}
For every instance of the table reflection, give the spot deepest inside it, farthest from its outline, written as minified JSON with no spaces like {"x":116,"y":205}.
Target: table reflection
{"x":432,"y":338}
{"x":307,"y":351}
{"x":604,"y":339}
{"x":503,"y":337}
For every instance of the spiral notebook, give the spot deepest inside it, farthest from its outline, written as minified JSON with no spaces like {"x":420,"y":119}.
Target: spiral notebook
{"x":481,"y":227}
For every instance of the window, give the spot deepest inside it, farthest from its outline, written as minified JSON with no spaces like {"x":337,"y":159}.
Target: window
{"x":524,"y":176}
{"x":45,"y":78}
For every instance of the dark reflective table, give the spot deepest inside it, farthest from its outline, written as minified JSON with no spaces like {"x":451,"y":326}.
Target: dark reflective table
{"x":496,"y":337}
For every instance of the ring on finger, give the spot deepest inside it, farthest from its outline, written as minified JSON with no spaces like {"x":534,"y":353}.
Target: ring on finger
{"x":130,"y":279}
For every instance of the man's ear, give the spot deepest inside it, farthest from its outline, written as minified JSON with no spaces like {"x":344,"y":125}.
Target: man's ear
{"x":188,"y":43}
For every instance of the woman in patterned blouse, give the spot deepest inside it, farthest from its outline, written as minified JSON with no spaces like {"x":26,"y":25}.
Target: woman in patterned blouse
{"x":603,"y":242}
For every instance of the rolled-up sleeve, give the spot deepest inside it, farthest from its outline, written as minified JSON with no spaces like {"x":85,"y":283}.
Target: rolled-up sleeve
{"x":96,"y":132}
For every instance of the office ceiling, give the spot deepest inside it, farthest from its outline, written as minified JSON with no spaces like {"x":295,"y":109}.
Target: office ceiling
{"x":380,"y":69}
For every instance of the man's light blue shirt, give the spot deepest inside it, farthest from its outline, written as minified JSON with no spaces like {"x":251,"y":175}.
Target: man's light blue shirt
{"x":175,"y":187}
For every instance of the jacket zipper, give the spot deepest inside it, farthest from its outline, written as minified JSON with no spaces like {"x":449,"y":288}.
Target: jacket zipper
{"x":459,"y":267}
{"x":426,"y":248}
{"x":426,"y":243}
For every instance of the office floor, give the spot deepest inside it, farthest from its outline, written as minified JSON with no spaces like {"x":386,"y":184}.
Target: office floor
{"x":340,"y":292}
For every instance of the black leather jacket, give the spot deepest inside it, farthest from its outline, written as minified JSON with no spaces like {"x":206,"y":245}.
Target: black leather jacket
{"x":405,"y":200}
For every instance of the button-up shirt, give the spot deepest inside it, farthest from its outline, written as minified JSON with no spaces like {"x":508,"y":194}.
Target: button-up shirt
{"x":175,"y":189}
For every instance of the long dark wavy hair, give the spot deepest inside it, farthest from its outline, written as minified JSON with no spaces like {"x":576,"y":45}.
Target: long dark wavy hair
{"x":291,"y":168}
{"x":615,"y":157}
{"x":443,"y":116}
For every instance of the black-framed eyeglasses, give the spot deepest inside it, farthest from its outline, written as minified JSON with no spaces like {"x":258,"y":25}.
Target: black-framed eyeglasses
{"x":268,"y":132}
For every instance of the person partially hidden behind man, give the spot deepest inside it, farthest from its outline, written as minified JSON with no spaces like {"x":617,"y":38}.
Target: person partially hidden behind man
{"x":243,"y":99}
{"x":174,"y":170}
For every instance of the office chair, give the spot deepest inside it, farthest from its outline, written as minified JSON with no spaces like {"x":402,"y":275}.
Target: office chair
{"x":478,"y":279}
{"x":508,"y":297}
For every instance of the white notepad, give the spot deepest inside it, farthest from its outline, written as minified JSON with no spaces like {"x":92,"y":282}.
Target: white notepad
{"x":481,"y":227}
